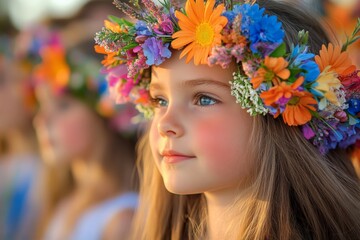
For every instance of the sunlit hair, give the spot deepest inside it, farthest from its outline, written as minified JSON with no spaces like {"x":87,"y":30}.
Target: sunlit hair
{"x":294,"y":192}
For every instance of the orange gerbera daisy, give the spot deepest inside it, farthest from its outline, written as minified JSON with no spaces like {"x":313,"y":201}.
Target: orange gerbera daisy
{"x":273,"y":70}
{"x":282,"y":90}
{"x":340,"y":62}
{"x":297,"y":111}
{"x":200,"y":30}
{"x":109,"y":59}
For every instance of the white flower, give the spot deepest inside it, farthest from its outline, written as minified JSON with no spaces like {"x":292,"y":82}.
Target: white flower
{"x":245,"y":94}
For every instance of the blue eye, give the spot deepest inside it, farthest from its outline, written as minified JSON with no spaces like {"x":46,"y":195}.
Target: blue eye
{"x":159,"y":102}
{"x":205,"y":101}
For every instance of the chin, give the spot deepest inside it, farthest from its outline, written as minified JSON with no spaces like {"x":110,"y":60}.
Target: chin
{"x":182,"y":188}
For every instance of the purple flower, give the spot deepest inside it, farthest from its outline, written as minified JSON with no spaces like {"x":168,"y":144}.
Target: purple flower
{"x":352,"y":134}
{"x":307,"y":131}
{"x":331,"y":135}
{"x":264,"y":48}
{"x":165,"y":26}
{"x":155,"y":51}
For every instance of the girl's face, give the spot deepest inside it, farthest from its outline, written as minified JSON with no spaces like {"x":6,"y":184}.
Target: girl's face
{"x":66,"y":127}
{"x":13,"y":112}
{"x":199,"y":135}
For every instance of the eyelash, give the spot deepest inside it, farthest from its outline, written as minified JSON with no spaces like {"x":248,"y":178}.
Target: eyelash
{"x":155,"y":101}
{"x":200,"y":96}
{"x":158,"y":102}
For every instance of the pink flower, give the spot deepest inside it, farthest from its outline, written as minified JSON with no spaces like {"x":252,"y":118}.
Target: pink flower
{"x":220,"y":56}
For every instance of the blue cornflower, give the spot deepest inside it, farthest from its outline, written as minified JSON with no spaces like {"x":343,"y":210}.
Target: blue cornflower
{"x":302,"y":59}
{"x":251,"y":16}
{"x":268,"y":30}
{"x":354,"y":106}
{"x":142,"y":29}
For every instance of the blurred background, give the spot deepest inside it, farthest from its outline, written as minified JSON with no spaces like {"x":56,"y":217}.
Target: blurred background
{"x":42,"y":195}
{"x":23,"y":13}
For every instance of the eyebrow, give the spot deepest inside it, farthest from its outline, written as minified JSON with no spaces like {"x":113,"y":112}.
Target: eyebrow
{"x":197,"y":82}
{"x":194,"y":83}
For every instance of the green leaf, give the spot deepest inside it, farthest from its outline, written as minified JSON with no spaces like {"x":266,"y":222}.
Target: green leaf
{"x":295,"y":71}
{"x":279,"y":51}
{"x":120,"y":21}
{"x":353,"y":38}
{"x":130,"y":46}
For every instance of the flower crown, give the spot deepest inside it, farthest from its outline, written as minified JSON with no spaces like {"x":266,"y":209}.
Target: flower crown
{"x":320,"y":93}
{"x":77,"y":74}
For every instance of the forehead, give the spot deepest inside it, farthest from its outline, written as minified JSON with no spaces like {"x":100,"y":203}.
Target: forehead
{"x":177,"y":69}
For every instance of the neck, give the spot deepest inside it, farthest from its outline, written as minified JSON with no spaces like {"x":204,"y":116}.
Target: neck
{"x":219,"y":219}
{"x":91,"y":179}
{"x":20,"y":142}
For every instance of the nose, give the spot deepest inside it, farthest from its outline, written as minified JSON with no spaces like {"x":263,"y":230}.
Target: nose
{"x":170,"y":124}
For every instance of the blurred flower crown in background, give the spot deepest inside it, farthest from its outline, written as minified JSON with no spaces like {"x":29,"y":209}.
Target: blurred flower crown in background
{"x":320,"y":92}
{"x":23,"y":67}
{"x":75,"y":73}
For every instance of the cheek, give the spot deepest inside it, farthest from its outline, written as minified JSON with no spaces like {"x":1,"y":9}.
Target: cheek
{"x":222,"y":143}
{"x":73,"y":134}
{"x":154,"y":138}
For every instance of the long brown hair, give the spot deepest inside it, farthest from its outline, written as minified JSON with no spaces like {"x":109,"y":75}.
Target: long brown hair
{"x":295,"y":192}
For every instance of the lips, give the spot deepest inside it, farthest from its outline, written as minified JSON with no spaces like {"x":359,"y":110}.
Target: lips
{"x":170,"y":156}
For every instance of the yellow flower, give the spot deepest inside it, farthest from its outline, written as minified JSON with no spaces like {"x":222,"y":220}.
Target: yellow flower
{"x":200,"y":30}
{"x":327,"y":82}
{"x":112,"y":26}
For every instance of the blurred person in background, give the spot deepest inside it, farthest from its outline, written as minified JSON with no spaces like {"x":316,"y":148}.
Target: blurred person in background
{"x":19,"y":159}
{"x":88,"y":178}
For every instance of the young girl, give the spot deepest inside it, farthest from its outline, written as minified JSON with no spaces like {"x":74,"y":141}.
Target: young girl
{"x":19,"y":158}
{"x":254,"y":146}
{"x":88,"y":181}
